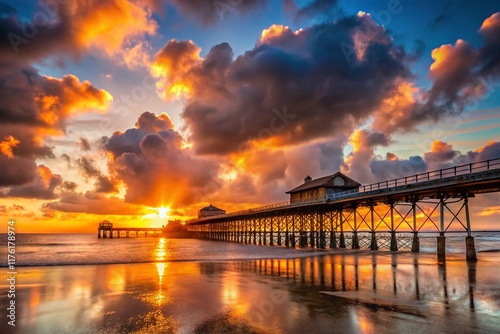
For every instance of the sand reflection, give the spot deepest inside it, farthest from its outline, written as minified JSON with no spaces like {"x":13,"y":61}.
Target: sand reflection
{"x":352,"y":293}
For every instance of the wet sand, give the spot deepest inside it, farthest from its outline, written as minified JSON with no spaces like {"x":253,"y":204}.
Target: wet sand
{"x":362,"y":292}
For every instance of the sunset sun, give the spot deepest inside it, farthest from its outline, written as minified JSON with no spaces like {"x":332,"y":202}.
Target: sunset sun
{"x":163,"y":212}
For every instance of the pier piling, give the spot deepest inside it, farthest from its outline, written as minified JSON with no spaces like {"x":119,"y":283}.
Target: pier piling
{"x":470,"y":249}
{"x":441,"y":248}
{"x":415,"y":246}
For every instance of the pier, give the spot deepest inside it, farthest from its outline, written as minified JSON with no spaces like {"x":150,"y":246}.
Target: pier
{"x":172,"y":229}
{"x":106,"y":229}
{"x":383,"y":215}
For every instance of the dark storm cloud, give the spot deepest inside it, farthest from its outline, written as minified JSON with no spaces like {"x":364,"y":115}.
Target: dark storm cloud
{"x":292,"y":86}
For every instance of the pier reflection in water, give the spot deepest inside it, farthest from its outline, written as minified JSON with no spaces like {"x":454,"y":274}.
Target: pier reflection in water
{"x":399,"y":279}
{"x":365,"y":292}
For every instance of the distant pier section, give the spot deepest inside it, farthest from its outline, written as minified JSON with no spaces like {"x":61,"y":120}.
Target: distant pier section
{"x":172,"y":229}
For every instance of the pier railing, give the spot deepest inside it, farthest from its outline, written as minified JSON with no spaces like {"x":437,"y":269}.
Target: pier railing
{"x":439,"y":174}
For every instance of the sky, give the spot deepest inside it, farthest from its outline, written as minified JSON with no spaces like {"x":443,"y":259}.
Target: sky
{"x":142,"y":111}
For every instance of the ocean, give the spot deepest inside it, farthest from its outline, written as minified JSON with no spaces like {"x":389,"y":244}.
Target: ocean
{"x":83,"y":249}
{"x":79,"y":284}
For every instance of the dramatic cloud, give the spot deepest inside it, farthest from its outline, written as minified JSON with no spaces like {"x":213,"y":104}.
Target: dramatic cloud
{"x":33,"y":107}
{"x":156,"y":167}
{"x":42,"y":185}
{"x":490,"y":53}
{"x":16,"y":171}
{"x":393,"y":167}
{"x":461,"y":74}
{"x":110,"y":26}
{"x":7,"y":145}
{"x":30,"y":98}
{"x":103,"y":184}
{"x":441,"y":155}
{"x":291,"y":88}
{"x":92,"y":203}
{"x":357,"y":163}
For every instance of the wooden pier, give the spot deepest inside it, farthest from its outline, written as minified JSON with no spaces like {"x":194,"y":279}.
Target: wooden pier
{"x":369,"y":216}
{"x":106,"y":230}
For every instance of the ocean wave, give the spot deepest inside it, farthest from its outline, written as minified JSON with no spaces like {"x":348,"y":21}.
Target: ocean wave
{"x":291,"y":255}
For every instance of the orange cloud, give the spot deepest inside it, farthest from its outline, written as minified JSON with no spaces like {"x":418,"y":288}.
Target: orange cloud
{"x":439,"y":146}
{"x":491,"y":22}
{"x":490,"y":211}
{"x":451,"y":58}
{"x":272,"y":32}
{"x":7,"y":145}
{"x":396,"y":110}
{"x":172,"y":65}
{"x":111,"y":25}
{"x":46,"y":174}
{"x":72,"y":96}
{"x":92,"y":203}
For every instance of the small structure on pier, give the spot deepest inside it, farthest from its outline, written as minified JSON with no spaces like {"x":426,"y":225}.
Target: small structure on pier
{"x":210,"y":211}
{"x":321,"y":188}
{"x":103,"y":229}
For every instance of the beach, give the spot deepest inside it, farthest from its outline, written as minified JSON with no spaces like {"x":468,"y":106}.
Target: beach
{"x":339,"y":291}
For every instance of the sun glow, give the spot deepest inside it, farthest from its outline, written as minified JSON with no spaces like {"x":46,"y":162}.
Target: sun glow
{"x":163,"y":212}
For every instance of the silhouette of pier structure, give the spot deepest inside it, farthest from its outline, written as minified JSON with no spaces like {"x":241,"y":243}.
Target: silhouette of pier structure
{"x":384,"y":214}
{"x":106,"y":229}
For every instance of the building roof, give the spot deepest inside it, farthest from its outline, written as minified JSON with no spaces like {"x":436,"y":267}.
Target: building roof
{"x":211,"y":208}
{"x":325,"y":181}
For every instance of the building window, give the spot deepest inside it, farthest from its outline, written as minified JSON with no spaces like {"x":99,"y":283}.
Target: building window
{"x":338,"y":181}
